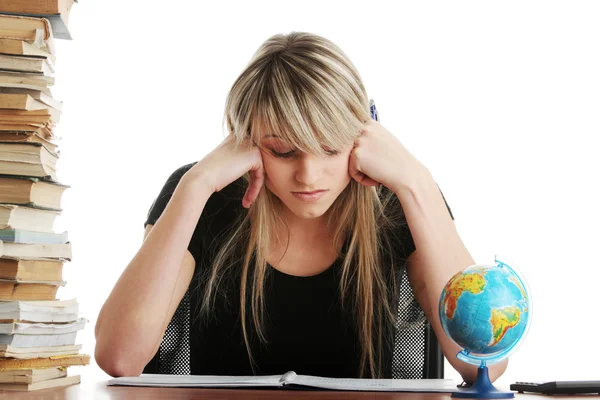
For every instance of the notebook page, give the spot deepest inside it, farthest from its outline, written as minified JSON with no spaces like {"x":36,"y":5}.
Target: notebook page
{"x":383,"y":385}
{"x":197,"y":381}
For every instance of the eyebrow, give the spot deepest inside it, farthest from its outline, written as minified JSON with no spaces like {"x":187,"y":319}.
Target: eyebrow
{"x":271,"y":135}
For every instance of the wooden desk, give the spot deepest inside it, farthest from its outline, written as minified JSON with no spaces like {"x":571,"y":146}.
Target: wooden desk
{"x":99,"y":390}
{"x":93,"y":387}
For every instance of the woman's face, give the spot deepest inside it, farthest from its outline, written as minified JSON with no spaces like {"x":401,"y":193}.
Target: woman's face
{"x":307,"y":184}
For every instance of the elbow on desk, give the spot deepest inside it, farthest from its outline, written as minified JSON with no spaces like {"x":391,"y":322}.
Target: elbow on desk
{"x":117,"y":363}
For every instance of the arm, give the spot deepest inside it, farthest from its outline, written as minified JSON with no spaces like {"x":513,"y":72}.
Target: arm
{"x":440,"y":254}
{"x":133,"y":320}
{"x":135,"y":316}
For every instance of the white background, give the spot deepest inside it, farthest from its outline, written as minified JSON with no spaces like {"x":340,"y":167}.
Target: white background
{"x":500,"y":100}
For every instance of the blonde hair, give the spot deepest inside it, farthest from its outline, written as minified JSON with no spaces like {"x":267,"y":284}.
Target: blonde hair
{"x":304,"y":87}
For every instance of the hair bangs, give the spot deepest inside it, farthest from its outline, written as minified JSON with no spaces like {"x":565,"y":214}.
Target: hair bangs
{"x":305,"y":108}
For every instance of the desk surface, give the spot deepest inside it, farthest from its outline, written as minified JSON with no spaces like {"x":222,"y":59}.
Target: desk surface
{"x":93,"y":386}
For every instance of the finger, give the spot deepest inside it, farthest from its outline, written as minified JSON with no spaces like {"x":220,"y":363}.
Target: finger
{"x":352,"y":167}
{"x":364,"y":179}
{"x":369,"y":182}
{"x":256,"y":181}
{"x":358,"y":176}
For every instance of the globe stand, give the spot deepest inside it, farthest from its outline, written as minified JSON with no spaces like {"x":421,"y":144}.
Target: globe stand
{"x":482,"y":388}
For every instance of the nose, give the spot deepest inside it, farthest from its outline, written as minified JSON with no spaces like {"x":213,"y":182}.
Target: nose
{"x":308,"y":170}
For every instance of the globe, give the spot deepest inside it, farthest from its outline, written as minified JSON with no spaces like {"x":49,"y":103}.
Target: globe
{"x":486,"y":310}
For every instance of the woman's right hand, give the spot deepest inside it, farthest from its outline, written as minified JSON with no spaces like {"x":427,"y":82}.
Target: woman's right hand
{"x":226,"y":163}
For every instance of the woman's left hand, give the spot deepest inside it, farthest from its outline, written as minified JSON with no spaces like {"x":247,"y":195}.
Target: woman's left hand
{"x":379,"y":157}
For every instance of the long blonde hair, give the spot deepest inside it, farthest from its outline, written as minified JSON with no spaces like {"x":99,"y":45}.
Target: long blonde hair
{"x":304,"y":87}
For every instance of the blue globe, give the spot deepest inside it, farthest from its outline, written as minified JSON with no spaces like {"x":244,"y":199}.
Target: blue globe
{"x":486,"y":310}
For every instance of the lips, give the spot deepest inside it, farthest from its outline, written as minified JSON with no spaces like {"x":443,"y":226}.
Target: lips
{"x":313,"y":192}
{"x":310,"y":196}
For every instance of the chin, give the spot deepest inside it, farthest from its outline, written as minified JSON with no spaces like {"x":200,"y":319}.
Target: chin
{"x":308,"y":212}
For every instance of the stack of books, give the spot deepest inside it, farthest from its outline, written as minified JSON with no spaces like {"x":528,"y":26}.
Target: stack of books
{"x":37,"y":331}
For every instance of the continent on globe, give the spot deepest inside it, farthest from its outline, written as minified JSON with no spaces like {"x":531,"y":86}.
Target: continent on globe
{"x":472,"y":282}
{"x":502,"y":320}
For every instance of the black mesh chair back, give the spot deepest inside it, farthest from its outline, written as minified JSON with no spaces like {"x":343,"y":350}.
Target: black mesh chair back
{"x":417,"y":353}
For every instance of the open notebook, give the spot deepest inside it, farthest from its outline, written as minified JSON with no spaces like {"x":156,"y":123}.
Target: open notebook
{"x":291,"y":380}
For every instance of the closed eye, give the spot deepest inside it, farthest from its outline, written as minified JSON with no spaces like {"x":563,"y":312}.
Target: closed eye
{"x":283,"y":155}
{"x":290,"y":154}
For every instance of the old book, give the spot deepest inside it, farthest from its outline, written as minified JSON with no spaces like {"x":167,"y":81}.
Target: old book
{"x":11,"y":289}
{"x":32,"y":375}
{"x":22,"y":101}
{"x":28,"y":251}
{"x":23,"y":48}
{"x":37,"y":95}
{"x":11,"y":130}
{"x":11,"y":126}
{"x":32,"y":192}
{"x":41,"y":328}
{"x":27,"y":341}
{"x":39,"y":311}
{"x":28,"y":77}
{"x":31,"y":137}
{"x":56,"y":11}
{"x":289,"y":380}
{"x":34,"y":270}
{"x":26,"y":81}
{"x":27,"y":103}
{"x":27,"y":159}
{"x":24,"y":116}
{"x":38,"y":6}
{"x":45,"y":133}
{"x":26,"y":64}
{"x":63,"y":361}
{"x":27,"y":218}
{"x":24,"y":28}
{"x":27,"y":152}
{"x":33,"y":237}
{"x":27,"y":169}
{"x":7,"y":350}
{"x":51,"y":383}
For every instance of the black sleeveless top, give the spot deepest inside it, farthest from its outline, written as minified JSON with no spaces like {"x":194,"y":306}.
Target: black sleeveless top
{"x":307,"y":329}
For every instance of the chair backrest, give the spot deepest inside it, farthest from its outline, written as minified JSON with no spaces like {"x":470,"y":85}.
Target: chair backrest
{"x":417,"y":353}
{"x":173,"y":355}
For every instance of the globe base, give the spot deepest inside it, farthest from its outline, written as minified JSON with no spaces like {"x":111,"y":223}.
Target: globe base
{"x":482,"y":388}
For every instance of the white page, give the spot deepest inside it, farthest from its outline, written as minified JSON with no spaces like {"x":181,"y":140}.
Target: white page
{"x":383,"y":385}
{"x":65,"y":339}
{"x":386,"y":385}
{"x":25,"y":328}
{"x":197,"y":380}
{"x":35,"y":305}
{"x":38,"y":316}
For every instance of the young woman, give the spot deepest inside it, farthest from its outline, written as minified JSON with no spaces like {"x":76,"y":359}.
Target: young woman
{"x":290,"y":235}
